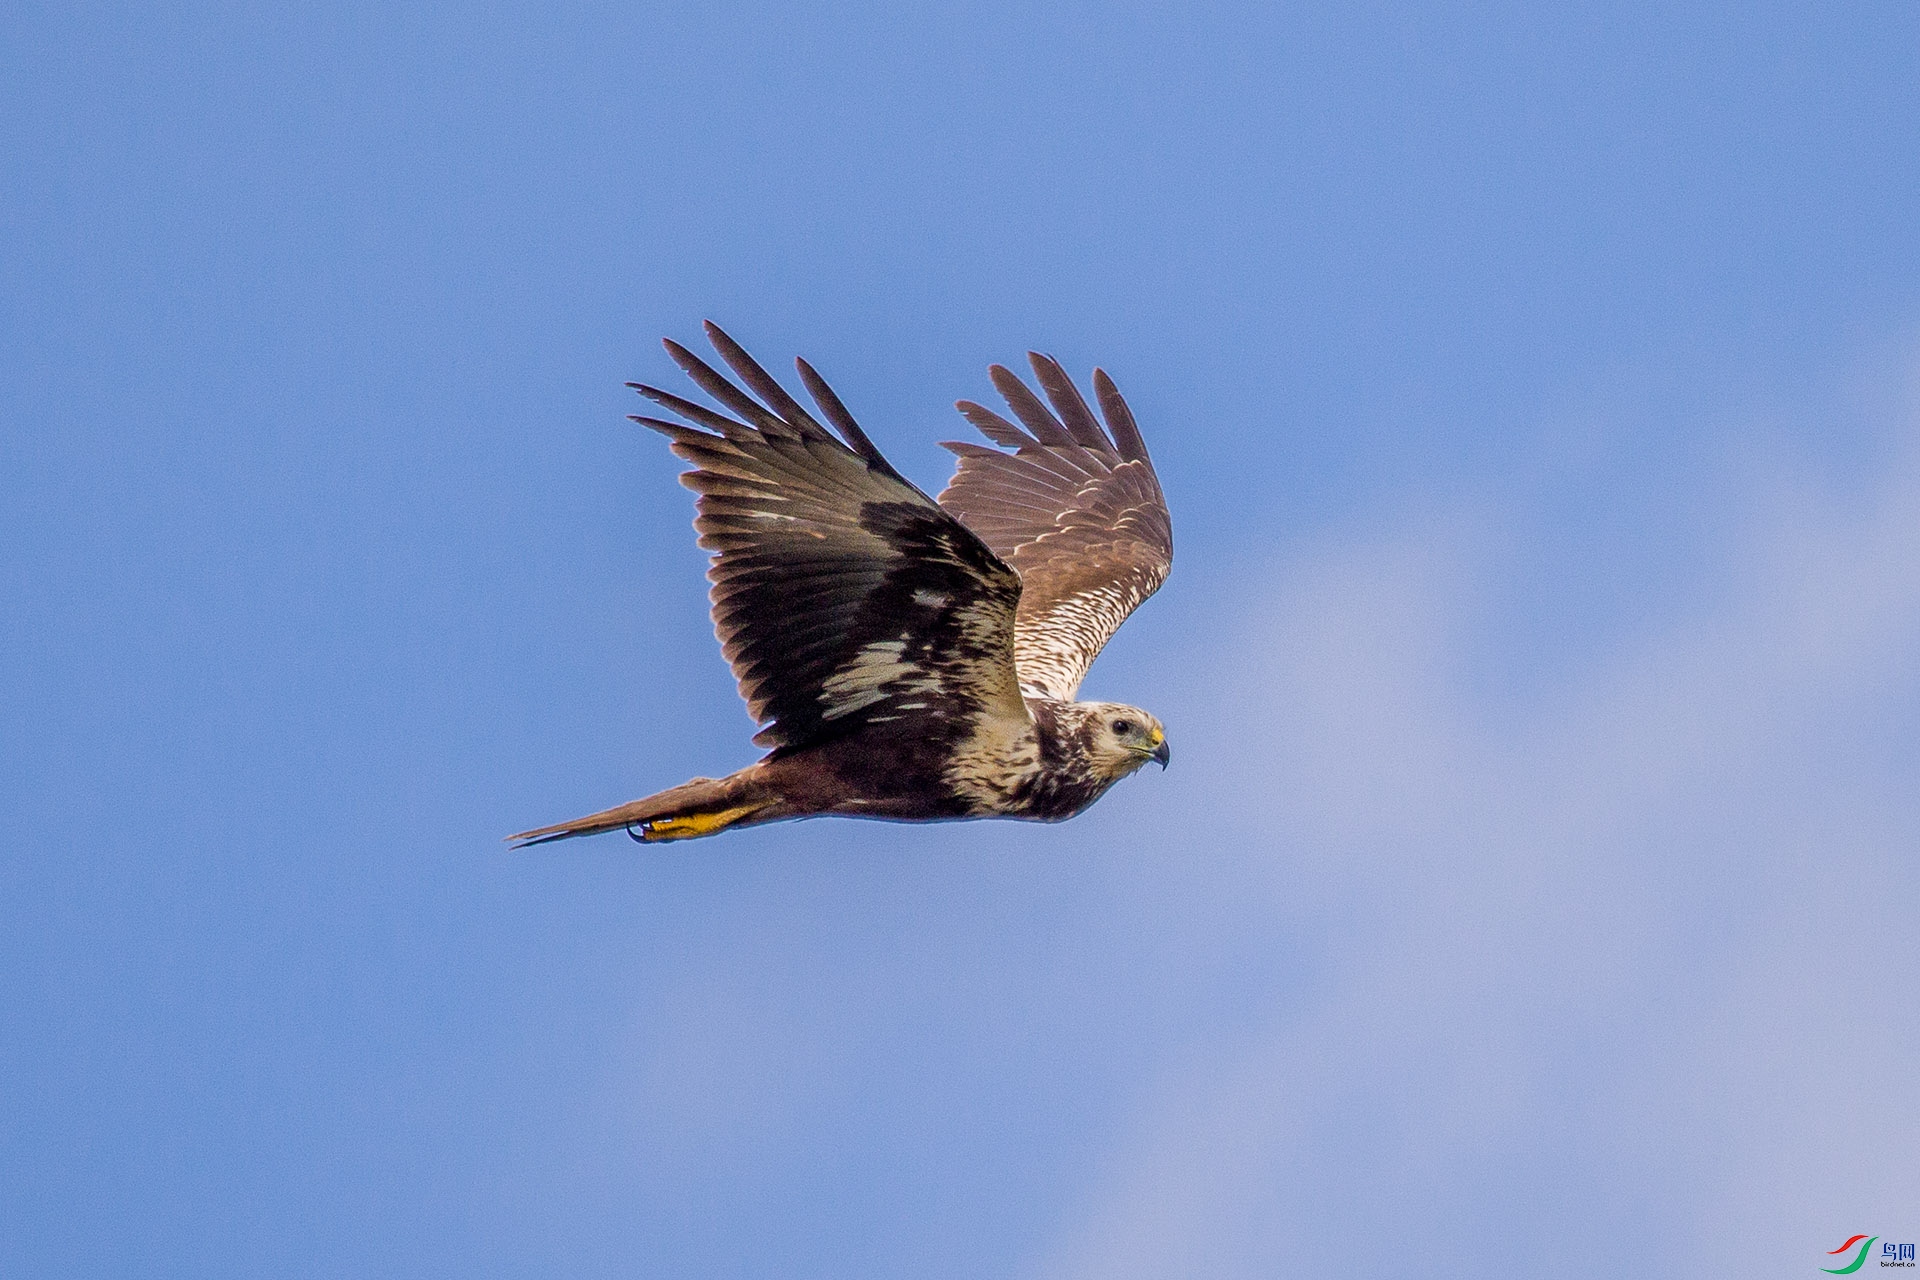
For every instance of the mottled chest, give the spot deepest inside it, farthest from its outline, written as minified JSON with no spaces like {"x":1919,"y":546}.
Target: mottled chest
{"x":1033,"y":768}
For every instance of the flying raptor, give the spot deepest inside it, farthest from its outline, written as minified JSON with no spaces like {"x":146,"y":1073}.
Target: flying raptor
{"x":911,"y":659}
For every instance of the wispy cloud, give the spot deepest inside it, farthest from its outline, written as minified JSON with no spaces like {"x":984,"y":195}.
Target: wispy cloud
{"x":1622,"y":974}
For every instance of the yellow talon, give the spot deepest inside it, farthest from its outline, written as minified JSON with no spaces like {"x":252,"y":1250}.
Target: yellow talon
{"x":694,"y":824}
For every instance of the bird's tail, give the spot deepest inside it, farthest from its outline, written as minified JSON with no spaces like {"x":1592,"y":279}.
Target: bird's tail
{"x":696,"y":808}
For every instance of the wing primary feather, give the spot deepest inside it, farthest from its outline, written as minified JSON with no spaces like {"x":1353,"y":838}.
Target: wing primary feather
{"x":992,"y":425}
{"x":717,"y":422}
{"x":843,"y":421}
{"x":715,"y":384}
{"x":968,"y":449}
{"x":762,"y":383}
{"x":1069,"y":403}
{"x":1126,"y":432}
{"x":678,"y":432}
{"x":1026,"y":406}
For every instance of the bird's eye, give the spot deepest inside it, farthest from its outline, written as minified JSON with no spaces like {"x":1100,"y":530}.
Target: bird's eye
{"x":1123,"y":727}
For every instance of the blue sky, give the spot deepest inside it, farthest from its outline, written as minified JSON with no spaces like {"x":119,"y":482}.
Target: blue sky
{"x":1538,"y":396}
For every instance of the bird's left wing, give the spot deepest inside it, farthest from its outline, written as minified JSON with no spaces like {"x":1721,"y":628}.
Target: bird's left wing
{"x":1076,"y":509}
{"x":843,"y":596}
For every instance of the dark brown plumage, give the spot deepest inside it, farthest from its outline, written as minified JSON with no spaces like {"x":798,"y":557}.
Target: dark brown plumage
{"x":911,"y":659}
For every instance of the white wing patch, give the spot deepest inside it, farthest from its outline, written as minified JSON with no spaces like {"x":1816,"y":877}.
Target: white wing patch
{"x":877,"y":672}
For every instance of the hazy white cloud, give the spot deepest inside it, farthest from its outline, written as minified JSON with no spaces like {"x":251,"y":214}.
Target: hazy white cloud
{"x":1622,"y":975}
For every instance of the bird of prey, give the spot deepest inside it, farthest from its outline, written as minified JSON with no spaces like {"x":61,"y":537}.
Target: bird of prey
{"x":911,"y":659}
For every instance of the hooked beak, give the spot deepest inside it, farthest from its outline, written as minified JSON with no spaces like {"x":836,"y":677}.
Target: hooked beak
{"x":1163,"y":753}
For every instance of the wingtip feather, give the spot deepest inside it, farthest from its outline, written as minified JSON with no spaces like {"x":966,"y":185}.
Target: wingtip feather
{"x":1126,"y":432}
{"x":993,"y":426}
{"x":1068,"y":402}
{"x":1028,"y":407}
{"x":840,"y":416}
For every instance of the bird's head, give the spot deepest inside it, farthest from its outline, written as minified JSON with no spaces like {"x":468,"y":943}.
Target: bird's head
{"x":1121,"y":738}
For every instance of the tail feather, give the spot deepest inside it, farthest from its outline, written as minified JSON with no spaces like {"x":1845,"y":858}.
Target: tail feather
{"x":699,"y":807}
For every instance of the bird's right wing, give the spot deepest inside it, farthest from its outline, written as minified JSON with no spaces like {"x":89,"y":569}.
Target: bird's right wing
{"x":842,"y":595}
{"x":1075,"y":509}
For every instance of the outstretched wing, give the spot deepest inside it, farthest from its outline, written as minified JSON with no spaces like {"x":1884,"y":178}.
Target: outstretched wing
{"x":1076,"y":509}
{"x":843,"y":596}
